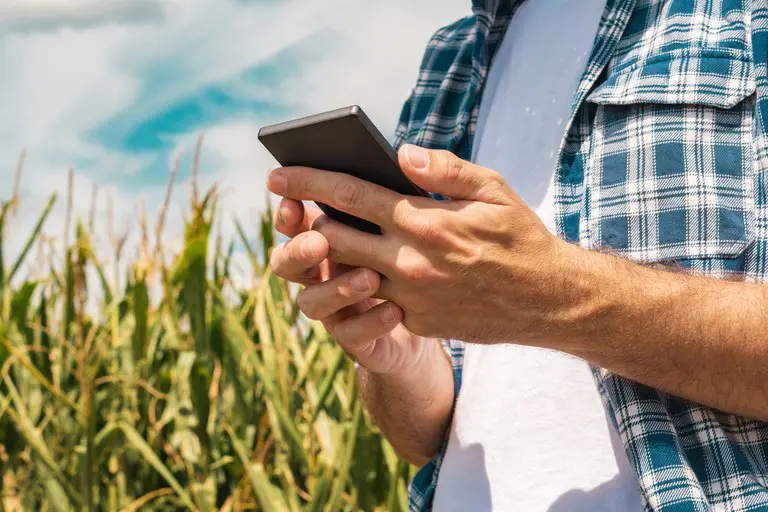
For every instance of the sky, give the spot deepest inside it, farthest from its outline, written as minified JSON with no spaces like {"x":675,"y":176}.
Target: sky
{"x":119,"y":89}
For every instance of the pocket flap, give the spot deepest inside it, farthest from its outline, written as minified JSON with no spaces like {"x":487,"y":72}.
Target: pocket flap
{"x":716,"y":77}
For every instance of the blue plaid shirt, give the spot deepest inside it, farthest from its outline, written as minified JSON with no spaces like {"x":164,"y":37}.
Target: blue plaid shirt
{"x":665,"y":160}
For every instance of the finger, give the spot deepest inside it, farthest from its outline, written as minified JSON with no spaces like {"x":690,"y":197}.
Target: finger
{"x":297,"y":260}
{"x":346,"y":193}
{"x":289,"y":218}
{"x":293,"y":217}
{"x":350,"y":246}
{"x":325,"y":299}
{"x":444,"y":173}
{"x":355,"y":334}
{"x":348,"y":312}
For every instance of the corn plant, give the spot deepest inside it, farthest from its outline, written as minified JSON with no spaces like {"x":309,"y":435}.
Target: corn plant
{"x":161,"y":382}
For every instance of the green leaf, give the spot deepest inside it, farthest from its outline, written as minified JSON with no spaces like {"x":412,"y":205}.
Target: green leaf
{"x":200,"y":383}
{"x":24,"y":425}
{"x":186,"y":442}
{"x":149,"y":455}
{"x":105,"y":440}
{"x":20,"y":305}
{"x":41,"y":356}
{"x":26,"y":363}
{"x":57,"y":498}
{"x":248,"y":248}
{"x":32,"y":236}
{"x":313,"y":351}
{"x":267,"y":493}
{"x":236,"y":334}
{"x":267,"y":232}
{"x":325,"y":388}
{"x":205,"y":492}
{"x":344,"y":458}
{"x":140,"y":303}
{"x":91,"y":254}
{"x":69,"y":293}
{"x":4,"y":209}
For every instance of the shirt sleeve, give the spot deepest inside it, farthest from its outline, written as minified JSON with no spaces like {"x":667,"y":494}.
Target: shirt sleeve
{"x":455,"y":351}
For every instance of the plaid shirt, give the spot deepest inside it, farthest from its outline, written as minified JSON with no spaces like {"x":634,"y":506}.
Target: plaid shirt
{"x":665,"y":160}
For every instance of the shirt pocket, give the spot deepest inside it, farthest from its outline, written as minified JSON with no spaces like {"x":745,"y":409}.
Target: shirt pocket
{"x":670,"y":167}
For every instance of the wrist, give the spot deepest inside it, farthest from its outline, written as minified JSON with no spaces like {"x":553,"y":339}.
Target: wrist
{"x":613,"y":299}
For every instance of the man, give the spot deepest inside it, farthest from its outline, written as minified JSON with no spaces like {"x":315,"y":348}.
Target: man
{"x":635,"y":131}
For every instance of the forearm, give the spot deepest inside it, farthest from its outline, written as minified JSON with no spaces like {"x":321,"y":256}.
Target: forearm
{"x":412,"y":409}
{"x":702,"y":339}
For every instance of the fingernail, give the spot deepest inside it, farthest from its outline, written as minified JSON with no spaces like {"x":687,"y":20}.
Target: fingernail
{"x":417,"y":157}
{"x":387,"y":316}
{"x":360,"y":282}
{"x":308,"y":248}
{"x":277,"y":183}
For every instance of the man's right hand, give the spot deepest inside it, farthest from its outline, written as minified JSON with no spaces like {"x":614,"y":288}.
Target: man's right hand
{"x":368,"y":329}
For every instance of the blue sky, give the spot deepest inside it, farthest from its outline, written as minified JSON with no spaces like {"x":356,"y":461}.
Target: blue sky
{"x":117,"y":89}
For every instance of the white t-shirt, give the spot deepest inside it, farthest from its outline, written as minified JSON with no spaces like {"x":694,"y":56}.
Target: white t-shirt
{"x":530,"y":431}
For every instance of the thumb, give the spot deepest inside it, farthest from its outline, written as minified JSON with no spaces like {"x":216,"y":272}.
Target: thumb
{"x":444,"y":173}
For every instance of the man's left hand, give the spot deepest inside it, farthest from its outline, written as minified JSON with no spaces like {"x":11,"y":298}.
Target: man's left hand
{"x":479,"y":267}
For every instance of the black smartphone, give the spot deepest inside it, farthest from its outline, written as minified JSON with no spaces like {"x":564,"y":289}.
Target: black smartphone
{"x":342,"y":140}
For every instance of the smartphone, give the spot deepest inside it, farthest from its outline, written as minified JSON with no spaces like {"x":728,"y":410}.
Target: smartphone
{"x":342,"y":140}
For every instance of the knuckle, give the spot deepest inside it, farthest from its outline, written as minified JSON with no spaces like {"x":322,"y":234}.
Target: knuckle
{"x":427,"y":227}
{"x":403,"y":215}
{"x":328,"y":231}
{"x":453,"y":166}
{"x":308,"y":307}
{"x":349,"y":195}
{"x":358,"y":284}
{"x":495,"y":177}
{"x":297,"y":184}
{"x":418,"y":271}
{"x":319,"y":222}
{"x":339,"y":334}
{"x":337,"y":245}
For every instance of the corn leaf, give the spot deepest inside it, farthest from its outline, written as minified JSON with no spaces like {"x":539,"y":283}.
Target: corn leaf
{"x":33,"y":236}
{"x":266,"y":493}
{"x":149,"y":455}
{"x":235,"y":333}
{"x":24,"y":425}
{"x":248,"y":248}
{"x":4,"y":209}
{"x":327,"y":386}
{"x":140,"y":304}
{"x":344,"y":458}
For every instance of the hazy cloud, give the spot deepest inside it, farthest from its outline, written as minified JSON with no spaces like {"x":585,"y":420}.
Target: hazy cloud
{"x":48,"y":15}
{"x":88,"y":95}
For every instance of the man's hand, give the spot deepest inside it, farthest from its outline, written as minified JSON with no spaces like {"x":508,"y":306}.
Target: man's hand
{"x":480,"y":267}
{"x":405,"y":380}
{"x":368,"y":329}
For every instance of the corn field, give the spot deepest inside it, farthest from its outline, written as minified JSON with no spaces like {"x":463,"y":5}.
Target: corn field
{"x":176,"y":388}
